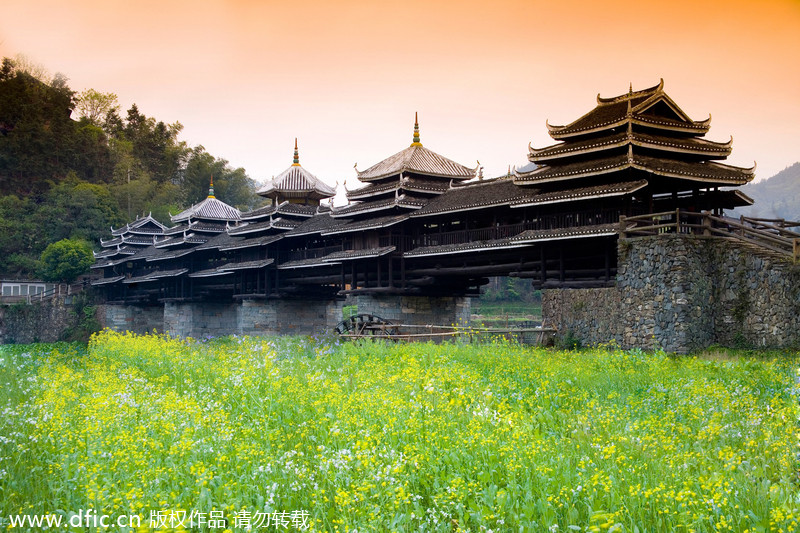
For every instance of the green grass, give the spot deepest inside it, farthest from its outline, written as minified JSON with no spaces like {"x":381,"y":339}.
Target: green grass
{"x":401,"y":437}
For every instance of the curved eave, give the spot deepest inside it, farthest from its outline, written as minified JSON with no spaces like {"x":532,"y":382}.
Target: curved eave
{"x":697,"y":127}
{"x":567,"y":197}
{"x":418,"y":172}
{"x":700,"y":147}
{"x":541,"y":175}
{"x":737,"y":176}
{"x":563,"y":132}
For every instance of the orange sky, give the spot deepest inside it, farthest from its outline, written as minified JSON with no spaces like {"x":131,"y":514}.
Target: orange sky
{"x":345,"y":77}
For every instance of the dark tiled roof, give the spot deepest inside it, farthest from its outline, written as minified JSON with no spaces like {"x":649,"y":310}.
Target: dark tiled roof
{"x":658,"y":142}
{"x":346,"y":255}
{"x":246,"y":265}
{"x":165,"y":255}
{"x":582,"y":193}
{"x":304,"y":263}
{"x":419,"y":160}
{"x":413,"y":184}
{"x":209,"y":273}
{"x":572,"y":170}
{"x":477,"y":195}
{"x":260,"y":212}
{"x":252,"y":227}
{"x":707,"y":171}
{"x":369,"y":223}
{"x":156,"y":275}
{"x":106,"y":281}
{"x":522,"y":239}
{"x":405,"y":200}
{"x":209,"y":227}
{"x":143,"y":225}
{"x":218,"y":241}
{"x":180,"y":228}
{"x":321,"y":223}
{"x":251,"y":242}
{"x":612,"y":112}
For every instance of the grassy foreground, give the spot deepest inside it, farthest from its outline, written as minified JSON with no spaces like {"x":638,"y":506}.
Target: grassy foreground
{"x":405,"y":437}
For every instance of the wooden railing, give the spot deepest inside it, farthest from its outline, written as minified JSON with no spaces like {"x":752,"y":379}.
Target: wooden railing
{"x":58,"y":290}
{"x":772,"y":234}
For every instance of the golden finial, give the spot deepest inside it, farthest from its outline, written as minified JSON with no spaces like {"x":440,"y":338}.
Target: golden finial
{"x":416,"y":132}
{"x":211,"y":188}
{"x":296,"y":161}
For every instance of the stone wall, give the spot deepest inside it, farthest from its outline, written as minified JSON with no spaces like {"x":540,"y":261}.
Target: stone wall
{"x":421,"y":310}
{"x":682,"y":293}
{"x":47,"y":321}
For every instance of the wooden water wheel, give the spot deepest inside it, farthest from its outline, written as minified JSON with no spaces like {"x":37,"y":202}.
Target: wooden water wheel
{"x":364,"y":325}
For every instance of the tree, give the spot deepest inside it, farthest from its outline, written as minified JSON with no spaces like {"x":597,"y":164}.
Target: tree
{"x":65,"y":260}
{"x":95,"y":106}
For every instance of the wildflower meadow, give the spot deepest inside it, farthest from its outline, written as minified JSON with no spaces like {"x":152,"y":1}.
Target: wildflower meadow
{"x":289,"y":434}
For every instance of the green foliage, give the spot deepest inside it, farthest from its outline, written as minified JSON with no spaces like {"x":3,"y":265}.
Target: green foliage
{"x":62,"y":178}
{"x":65,"y":260}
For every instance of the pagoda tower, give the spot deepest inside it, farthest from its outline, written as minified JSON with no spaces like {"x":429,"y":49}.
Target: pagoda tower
{"x":404,"y":181}
{"x":644,"y":143}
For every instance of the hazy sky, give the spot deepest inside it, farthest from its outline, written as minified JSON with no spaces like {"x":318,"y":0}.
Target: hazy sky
{"x":345,"y":77}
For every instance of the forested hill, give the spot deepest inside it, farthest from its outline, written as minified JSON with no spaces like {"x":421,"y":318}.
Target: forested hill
{"x":776,"y":197}
{"x":71,"y":165}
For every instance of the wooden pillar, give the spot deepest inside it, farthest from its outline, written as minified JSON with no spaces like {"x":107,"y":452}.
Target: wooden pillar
{"x":543,"y":258}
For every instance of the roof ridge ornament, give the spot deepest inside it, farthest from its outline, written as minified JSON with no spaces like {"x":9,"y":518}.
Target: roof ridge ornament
{"x":416,"y":141}
{"x":296,"y":160}
{"x":211,"y":188}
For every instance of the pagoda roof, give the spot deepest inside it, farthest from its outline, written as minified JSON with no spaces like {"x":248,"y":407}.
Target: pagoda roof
{"x":707,"y":171}
{"x":409,"y":201}
{"x":478,"y":195}
{"x":418,"y":160}
{"x":408,"y":183}
{"x":687,"y":145}
{"x":143,"y":225}
{"x":631,"y":107}
{"x":582,"y":193}
{"x":297,"y":182}
{"x":208,"y":209}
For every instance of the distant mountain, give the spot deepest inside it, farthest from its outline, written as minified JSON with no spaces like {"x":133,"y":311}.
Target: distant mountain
{"x":776,"y":197}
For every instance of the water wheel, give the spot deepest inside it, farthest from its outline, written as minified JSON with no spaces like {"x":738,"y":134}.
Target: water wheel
{"x":363,"y":325}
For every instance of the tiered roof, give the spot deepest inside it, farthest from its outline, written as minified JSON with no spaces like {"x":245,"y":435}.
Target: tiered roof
{"x":296,"y":183}
{"x":128,"y":240}
{"x":404,"y":182}
{"x":642,"y":133}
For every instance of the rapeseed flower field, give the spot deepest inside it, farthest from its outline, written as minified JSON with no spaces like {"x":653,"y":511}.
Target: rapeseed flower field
{"x":289,"y":434}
